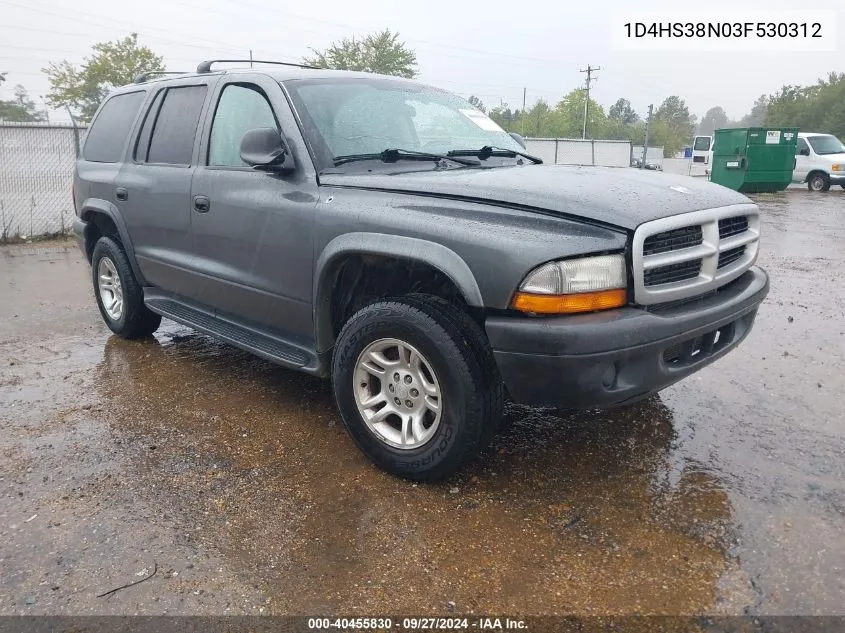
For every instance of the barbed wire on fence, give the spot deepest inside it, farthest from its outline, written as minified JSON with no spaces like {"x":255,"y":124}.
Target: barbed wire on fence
{"x":36,"y":178}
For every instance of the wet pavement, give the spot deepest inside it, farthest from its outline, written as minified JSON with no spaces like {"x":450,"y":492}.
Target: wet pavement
{"x":234,"y":482}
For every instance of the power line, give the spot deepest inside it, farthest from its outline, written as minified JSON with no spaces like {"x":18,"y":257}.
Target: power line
{"x":589,"y":70}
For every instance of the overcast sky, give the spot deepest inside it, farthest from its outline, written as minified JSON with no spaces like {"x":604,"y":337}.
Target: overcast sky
{"x":491,"y":49}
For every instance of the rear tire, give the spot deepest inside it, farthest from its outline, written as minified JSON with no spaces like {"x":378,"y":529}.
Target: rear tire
{"x":818,"y":182}
{"x":120,"y":297}
{"x":445,"y":405}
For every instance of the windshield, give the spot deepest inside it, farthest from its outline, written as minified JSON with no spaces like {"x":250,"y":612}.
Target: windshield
{"x":826,"y":144}
{"x":352,"y":116}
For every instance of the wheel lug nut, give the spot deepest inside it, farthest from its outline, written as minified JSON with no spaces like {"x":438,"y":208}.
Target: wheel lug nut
{"x":415,"y":393}
{"x":397,"y":401}
{"x":396,"y":377}
{"x":408,"y":380}
{"x":390,"y":387}
{"x":409,"y":404}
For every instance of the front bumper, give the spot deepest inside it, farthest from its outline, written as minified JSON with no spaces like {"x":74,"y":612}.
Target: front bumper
{"x":618,"y":356}
{"x":837,"y":179}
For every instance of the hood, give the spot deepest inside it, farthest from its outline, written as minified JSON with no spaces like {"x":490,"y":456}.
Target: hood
{"x":620,"y":196}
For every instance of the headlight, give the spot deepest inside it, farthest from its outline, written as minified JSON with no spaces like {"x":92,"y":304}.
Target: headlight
{"x":574,"y":285}
{"x":837,"y":167}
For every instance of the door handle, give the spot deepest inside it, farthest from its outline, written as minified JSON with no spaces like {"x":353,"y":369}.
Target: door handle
{"x":201,"y":204}
{"x":121,"y":193}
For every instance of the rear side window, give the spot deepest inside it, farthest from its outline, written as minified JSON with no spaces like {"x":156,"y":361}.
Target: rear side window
{"x":702,"y":144}
{"x":107,"y":136}
{"x":802,"y":145}
{"x":175,"y":126}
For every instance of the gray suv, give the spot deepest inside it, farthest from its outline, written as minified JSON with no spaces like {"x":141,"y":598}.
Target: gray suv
{"x":388,"y":235}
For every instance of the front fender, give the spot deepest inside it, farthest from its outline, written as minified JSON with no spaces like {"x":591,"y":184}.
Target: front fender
{"x":410,"y":248}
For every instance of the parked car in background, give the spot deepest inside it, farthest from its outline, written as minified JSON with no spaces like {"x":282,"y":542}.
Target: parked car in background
{"x":819,"y":161}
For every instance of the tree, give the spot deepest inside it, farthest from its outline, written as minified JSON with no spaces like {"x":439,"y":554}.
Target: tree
{"x":622,"y":111}
{"x":680,"y":124}
{"x":757,"y":115}
{"x":111,"y":64}
{"x":713,"y":119}
{"x":478,"y":103}
{"x":21,"y":109}
{"x":568,"y":117}
{"x":816,"y":108}
{"x":380,"y":52}
{"x":537,"y":120}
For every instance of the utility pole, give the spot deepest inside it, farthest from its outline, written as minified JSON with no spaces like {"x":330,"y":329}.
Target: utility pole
{"x":647,"y":126}
{"x":522,"y":118}
{"x":250,"y":58}
{"x":590,"y":70}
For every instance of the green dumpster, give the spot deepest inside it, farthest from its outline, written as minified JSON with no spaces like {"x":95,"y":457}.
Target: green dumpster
{"x":754,"y":159}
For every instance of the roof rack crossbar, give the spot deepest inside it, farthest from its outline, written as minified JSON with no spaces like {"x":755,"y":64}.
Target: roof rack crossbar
{"x":143,"y":77}
{"x":205,"y":67}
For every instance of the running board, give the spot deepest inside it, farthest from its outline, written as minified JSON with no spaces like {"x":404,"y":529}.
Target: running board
{"x":258,"y":343}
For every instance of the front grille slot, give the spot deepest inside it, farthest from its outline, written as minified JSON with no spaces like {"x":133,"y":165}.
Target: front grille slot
{"x":673,"y":240}
{"x":732,"y":226}
{"x":728,"y":257}
{"x":673,"y":272}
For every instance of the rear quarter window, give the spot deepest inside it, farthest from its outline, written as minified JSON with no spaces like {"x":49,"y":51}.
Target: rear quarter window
{"x":107,"y":137}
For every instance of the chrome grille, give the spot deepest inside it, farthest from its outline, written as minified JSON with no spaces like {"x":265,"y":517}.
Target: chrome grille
{"x":672,"y":240}
{"x":732,"y":226}
{"x":690,"y":254}
{"x":728,"y":257}
{"x":672,"y":272}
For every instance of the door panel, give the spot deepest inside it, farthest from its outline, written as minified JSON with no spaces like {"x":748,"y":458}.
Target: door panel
{"x":156,"y":184}
{"x":802,"y":163}
{"x":253,"y":230}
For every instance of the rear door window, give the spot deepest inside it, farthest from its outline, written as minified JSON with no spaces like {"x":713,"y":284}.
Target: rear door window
{"x":107,"y":136}
{"x":175,"y":126}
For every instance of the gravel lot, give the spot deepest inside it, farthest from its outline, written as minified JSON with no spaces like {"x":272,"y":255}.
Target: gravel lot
{"x":235,"y":483}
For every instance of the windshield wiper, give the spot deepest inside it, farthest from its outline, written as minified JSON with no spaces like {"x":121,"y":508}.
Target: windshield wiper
{"x":394,"y":154}
{"x":491,"y":150}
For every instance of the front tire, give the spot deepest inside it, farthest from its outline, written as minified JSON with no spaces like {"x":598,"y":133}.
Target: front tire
{"x":120,"y":297}
{"x":416,"y":386}
{"x":818,"y":182}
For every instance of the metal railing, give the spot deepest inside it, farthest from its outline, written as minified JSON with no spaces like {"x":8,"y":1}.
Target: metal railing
{"x":576,"y":151}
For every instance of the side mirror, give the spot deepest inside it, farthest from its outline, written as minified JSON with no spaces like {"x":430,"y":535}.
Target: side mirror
{"x":263,"y":148}
{"x":804,"y":152}
{"x":518,"y":139}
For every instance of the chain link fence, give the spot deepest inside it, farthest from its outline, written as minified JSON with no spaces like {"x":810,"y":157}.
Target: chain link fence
{"x":36,"y":178}
{"x":576,"y":151}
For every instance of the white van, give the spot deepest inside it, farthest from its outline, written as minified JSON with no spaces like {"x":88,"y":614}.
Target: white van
{"x":819,"y":161}
{"x":702,"y":150}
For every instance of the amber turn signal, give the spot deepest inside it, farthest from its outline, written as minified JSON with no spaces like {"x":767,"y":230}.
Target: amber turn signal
{"x":571,"y":303}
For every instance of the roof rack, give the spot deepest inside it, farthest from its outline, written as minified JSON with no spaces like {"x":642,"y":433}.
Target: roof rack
{"x":205,"y":67}
{"x":144,"y":77}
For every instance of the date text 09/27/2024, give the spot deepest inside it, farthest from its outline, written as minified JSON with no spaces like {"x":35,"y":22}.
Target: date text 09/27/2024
{"x":417,"y":624}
